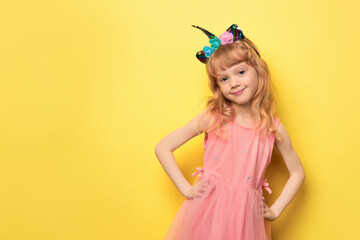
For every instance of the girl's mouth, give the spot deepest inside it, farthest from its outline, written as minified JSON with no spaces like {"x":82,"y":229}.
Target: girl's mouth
{"x":239,"y":92}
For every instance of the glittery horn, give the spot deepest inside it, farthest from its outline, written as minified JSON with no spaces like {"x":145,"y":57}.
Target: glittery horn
{"x":201,"y":54}
{"x":209,"y":34}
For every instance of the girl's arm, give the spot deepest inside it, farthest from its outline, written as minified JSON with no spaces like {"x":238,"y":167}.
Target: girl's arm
{"x":164,"y":150}
{"x":296,"y":170}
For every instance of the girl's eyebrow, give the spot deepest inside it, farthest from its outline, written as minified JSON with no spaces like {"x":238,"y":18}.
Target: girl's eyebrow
{"x":236,"y":69}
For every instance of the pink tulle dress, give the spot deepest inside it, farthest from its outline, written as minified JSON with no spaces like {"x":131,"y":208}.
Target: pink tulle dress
{"x":231,"y":206}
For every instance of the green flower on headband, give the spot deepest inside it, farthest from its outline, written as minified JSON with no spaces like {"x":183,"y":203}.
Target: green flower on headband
{"x":208,"y":51}
{"x":215,"y":42}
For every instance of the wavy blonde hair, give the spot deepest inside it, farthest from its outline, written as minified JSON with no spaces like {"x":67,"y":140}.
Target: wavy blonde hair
{"x":263,"y":104}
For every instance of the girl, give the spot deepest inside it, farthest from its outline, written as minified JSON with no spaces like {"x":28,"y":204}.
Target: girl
{"x":226,"y":201}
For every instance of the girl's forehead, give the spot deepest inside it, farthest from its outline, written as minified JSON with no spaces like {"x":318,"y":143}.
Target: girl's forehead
{"x":225,"y":69}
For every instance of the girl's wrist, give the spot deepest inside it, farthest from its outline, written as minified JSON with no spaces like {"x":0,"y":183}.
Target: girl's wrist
{"x":276,"y":212}
{"x":185,"y":189}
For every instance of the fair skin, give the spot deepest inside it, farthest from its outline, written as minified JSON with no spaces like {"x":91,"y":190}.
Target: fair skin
{"x":238,"y":77}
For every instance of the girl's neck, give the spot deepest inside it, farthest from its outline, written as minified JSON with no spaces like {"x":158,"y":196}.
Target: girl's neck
{"x":243,"y":116}
{"x":242,"y":111}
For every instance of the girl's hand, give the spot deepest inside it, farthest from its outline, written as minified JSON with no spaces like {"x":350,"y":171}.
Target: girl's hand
{"x":197,"y":189}
{"x":269,"y":213}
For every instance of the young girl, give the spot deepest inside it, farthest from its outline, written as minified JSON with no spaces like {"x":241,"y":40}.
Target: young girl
{"x":226,"y":201}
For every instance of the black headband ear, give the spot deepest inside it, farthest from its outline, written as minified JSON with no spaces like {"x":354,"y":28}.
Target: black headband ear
{"x":236,"y":32}
{"x":201,"y":56}
{"x":239,"y":35}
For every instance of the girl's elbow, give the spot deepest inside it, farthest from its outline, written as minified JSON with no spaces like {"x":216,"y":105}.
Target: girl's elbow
{"x":157,"y":148}
{"x":160,"y":148}
{"x":302,"y":176}
{"x":303,"y":172}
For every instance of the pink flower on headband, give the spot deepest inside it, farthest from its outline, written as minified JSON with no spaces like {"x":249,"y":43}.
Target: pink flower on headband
{"x":226,"y":38}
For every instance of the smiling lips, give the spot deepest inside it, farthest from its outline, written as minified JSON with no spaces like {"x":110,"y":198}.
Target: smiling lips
{"x":238,"y":92}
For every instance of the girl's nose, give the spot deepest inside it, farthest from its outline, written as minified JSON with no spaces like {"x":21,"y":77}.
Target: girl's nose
{"x":234,"y":82}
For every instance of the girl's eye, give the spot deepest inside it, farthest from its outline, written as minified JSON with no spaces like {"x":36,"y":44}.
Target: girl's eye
{"x":223,"y":79}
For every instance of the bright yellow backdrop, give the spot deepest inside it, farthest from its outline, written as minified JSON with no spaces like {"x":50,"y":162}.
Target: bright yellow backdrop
{"x":88,"y":88}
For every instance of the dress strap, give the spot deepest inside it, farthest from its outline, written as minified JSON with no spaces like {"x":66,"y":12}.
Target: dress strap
{"x":199,"y":171}
{"x":266,"y":186}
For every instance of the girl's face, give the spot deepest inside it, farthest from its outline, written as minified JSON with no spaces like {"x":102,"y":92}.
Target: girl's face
{"x":238,"y":83}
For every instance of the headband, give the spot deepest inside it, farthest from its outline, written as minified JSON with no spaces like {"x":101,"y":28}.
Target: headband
{"x":232,"y":34}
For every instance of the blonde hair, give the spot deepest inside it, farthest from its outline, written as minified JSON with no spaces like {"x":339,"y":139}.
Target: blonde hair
{"x":263,"y":104}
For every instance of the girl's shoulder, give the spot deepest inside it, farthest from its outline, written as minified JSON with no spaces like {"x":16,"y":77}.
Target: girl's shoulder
{"x":205,"y":120}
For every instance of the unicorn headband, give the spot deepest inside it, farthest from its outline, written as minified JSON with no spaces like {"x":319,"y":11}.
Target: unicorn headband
{"x":232,"y":34}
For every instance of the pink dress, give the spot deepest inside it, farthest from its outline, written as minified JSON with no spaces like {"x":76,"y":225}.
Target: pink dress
{"x":231,"y":206}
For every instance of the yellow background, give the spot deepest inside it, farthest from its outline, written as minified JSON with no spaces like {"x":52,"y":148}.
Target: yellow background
{"x":89,"y":87}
